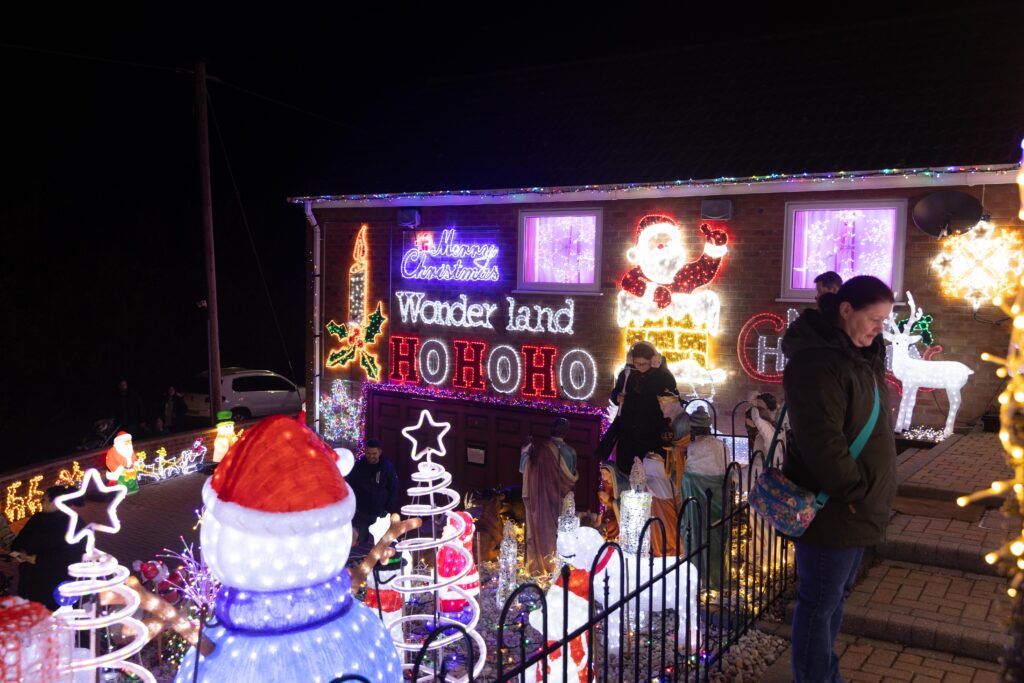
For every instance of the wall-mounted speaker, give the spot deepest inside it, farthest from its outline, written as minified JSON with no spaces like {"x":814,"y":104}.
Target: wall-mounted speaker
{"x":716,"y":209}
{"x":409,"y":218}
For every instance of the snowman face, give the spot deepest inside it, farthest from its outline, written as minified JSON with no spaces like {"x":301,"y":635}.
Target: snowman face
{"x":659,"y":252}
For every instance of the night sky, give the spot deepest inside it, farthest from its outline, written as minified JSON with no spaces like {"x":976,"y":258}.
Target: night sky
{"x":103,"y":260}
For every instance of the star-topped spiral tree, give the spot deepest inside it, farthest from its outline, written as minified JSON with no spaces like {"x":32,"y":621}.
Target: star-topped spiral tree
{"x":99,"y":573}
{"x":432,"y":482}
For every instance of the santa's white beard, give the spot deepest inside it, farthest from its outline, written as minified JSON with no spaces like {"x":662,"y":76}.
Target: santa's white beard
{"x":125,"y":450}
{"x":661,"y":270}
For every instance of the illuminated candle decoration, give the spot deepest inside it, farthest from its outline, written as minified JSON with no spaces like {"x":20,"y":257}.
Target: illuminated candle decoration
{"x":279,"y":547}
{"x":540,"y":318}
{"x":980,"y":264}
{"x":468,"y":370}
{"x":504,"y":370}
{"x":577,"y":374}
{"x":913,"y":373}
{"x":359,"y":335}
{"x":434,"y":362}
{"x":448,"y":259}
{"x":358,"y":287}
{"x":539,"y":371}
{"x":415,"y":310}
{"x":432,"y":482}
{"x":658,"y":302}
{"x":99,"y":573}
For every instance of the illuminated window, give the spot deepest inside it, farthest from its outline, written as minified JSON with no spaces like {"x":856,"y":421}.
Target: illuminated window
{"x":560,"y":251}
{"x":850,"y":238}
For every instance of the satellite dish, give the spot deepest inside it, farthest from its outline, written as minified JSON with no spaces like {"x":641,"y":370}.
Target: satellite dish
{"x":947,"y":212}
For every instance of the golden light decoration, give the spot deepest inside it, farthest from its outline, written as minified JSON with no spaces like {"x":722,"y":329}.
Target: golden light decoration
{"x":980,"y":264}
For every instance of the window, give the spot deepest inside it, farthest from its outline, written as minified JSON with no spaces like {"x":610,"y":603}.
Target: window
{"x":560,"y":251}
{"x":850,"y":238}
{"x":261,"y":383}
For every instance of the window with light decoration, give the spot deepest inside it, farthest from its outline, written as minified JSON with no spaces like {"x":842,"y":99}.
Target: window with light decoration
{"x":560,"y":251}
{"x":850,"y":238}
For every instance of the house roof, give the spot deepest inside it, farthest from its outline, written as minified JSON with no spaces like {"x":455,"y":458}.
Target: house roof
{"x":880,"y":96}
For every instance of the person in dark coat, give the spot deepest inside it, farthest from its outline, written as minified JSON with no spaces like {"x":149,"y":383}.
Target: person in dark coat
{"x":835,"y":361}
{"x":640,"y":422}
{"x":42,"y":552}
{"x":375,"y":483}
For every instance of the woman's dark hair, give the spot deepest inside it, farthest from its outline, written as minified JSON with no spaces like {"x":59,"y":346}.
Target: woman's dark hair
{"x":859,"y":292}
{"x":642,"y":350}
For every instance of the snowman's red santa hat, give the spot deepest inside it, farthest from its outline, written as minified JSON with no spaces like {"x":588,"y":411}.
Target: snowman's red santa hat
{"x":278,"y":508}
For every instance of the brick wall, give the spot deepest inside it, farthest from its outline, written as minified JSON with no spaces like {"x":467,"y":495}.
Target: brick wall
{"x":748,"y":283}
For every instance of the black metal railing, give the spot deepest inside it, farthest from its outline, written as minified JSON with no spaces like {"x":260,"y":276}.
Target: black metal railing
{"x":653,"y":618}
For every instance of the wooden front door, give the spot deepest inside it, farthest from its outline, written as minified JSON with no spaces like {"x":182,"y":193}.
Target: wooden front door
{"x":492,"y":434}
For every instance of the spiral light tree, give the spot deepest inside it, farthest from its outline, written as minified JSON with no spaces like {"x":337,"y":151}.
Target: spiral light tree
{"x":99,"y":574}
{"x":435,"y":499}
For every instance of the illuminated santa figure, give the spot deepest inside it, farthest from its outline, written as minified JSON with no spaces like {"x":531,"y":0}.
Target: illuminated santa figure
{"x":277,"y":533}
{"x":665,"y":299}
{"x":451,"y":563}
{"x":121,"y":461}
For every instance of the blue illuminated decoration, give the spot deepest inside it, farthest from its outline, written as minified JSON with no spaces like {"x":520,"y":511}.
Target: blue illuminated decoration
{"x":451,"y":260}
{"x":284,"y":611}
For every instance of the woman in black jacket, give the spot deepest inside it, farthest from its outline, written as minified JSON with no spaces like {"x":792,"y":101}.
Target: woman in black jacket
{"x":637,"y":388}
{"x":835,"y":362}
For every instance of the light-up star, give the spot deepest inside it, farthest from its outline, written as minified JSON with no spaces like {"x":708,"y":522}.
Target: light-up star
{"x":74,"y":534}
{"x":409,"y":433}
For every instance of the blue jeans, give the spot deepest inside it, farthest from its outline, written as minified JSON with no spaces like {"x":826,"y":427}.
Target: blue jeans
{"x":826,"y":577}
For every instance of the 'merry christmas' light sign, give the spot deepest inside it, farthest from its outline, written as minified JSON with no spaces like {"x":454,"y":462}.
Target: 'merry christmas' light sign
{"x":448,"y":259}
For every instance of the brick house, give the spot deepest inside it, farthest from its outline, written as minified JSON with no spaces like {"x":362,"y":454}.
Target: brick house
{"x":482,"y":325}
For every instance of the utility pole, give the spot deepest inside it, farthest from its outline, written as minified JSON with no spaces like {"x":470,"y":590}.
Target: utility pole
{"x":206,"y":206}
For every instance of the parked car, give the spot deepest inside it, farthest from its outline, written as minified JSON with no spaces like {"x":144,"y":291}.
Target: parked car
{"x":246,"y":393}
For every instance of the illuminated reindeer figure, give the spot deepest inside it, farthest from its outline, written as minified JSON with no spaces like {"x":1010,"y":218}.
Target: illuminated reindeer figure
{"x":916,"y":374}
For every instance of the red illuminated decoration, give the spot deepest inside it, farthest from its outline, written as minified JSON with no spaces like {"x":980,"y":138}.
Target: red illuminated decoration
{"x":539,"y":371}
{"x":658,"y":246}
{"x":404,"y":366}
{"x":469,"y":364}
{"x":751,"y":341}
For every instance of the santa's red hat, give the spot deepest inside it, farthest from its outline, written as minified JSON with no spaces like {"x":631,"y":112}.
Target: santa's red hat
{"x":277,"y":508}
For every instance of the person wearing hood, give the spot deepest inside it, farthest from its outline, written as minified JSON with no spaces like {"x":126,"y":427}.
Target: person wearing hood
{"x":835,"y":364}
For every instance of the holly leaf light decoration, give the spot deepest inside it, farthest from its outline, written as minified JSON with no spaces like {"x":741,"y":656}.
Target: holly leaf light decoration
{"x":356,"y":341}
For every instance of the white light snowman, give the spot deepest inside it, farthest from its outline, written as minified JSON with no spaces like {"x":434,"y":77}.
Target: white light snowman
{"x":277,"y":533}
